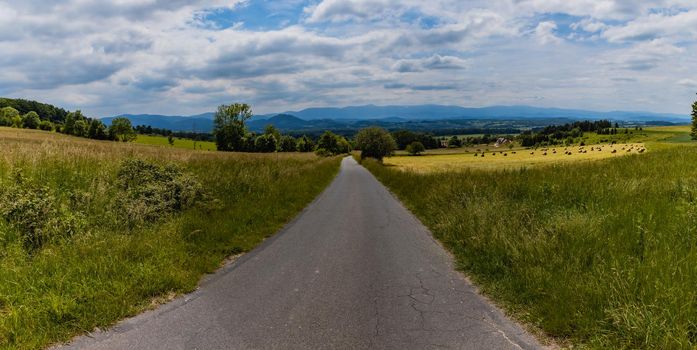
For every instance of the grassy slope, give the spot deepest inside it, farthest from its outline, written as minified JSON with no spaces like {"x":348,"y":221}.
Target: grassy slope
{"x":108,"y":272}
{"x":178,"y":143}
{"x":601,"y":254}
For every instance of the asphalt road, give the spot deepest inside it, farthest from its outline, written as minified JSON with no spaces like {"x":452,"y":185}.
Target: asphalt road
{"x":355,"y":270}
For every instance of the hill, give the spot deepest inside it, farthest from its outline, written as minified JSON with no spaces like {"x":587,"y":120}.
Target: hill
{"x":199,"y":123}
{"x":44,"y":110}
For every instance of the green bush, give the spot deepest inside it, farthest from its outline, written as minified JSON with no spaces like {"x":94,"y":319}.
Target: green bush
{"x":148,"y":191}
{"x":37,"y":213}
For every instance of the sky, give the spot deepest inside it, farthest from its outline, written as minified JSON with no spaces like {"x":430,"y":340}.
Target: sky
{"x":108,"y":57}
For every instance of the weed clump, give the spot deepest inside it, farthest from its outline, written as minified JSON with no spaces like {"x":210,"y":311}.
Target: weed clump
{"x":147,"y":191}
{"x":36,"y":213}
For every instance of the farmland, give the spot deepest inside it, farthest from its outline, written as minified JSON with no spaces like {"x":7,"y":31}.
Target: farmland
{"x":91,"y":232}
{"x":596,"y":147}
{"x":595,"y":254}
{"x":512,"y":159}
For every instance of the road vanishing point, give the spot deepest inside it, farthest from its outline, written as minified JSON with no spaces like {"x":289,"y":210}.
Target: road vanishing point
{"x":355,"y":270}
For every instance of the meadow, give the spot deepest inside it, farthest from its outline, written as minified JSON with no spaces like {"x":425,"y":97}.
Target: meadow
{"x":599,"y":255}
{"x":512,"y":157}
{"x":155,"y":140}
{"x":82,"y":245}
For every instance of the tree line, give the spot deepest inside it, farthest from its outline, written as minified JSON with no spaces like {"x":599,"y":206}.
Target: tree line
{"x":231,"y":135}
{"x":74,"y":123}
{"x":559,"y":134}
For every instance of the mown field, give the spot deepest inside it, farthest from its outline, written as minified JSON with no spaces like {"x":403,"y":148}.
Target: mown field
{"x":511,"y":159}
{"x":598,"y":255}
{"x":178,"y":143}
{"x":91,"y":232}
{"x":596,"y":147}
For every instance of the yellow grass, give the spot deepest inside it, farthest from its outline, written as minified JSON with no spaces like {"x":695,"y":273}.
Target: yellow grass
{"x":506,"y":159}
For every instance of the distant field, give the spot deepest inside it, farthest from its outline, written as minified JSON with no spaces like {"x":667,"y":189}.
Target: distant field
{"x":507,"y":159}
{"x":597,"y":147}
{"x":83,"y":243}
{"x":178,"y":143}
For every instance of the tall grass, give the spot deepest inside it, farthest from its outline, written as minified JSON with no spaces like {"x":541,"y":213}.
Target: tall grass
{"x":602,"y":255}
{"x":109,"y":270}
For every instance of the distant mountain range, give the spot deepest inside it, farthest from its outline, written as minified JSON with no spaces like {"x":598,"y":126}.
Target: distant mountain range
{"x":401,"y":116}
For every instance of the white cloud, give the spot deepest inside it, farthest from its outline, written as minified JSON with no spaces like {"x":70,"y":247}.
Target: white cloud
{"x":160,"y":56}
{"x":545,"y":33}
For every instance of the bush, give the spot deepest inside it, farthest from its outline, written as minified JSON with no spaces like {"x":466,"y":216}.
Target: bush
{"x":415,"y":148}
{"x":149,"y":191}
{"x":46,"y":125}
{"x":37,"y":214}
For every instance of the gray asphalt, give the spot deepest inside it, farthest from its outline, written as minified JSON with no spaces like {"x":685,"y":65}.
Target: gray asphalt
{"x":355,"y":270}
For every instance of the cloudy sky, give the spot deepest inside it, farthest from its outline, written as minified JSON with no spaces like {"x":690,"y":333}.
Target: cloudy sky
{"x":186,"y":57}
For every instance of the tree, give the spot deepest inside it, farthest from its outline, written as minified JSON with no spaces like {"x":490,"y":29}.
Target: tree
{"x":69,"y":126}
{"x":288,"y":144}
{"x":375,"y":142}
{"x":328,"y":144}
{"x":229,"y":127}
{"x":97,"y":130}
{"x":121,"y":130}
{"x":454,"y":142}
{"x":80,"y":128}
{"x":415,"y":148}
{"x":305,"y":144}
{"x":7,"y":116}
{"x":265,"y":143}
{"x":170,"y":139}
{"x":31,"y":120}
{"x":271,"y":130}
{"x":694,"y":121}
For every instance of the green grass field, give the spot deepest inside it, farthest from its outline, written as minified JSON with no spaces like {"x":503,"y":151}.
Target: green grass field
{"x":599,"y":255}
{"x":178,"y":143}
{"x":105,"y":264}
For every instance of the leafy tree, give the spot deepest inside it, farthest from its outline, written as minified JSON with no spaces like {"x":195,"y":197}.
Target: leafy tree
{"x":80,"y":128}
{"x":121,"y":130}
{"x":229,"y":127}
{"x":694,"y":121}
{"x":97,"y":130}
{"x":305,"y":144}
{"x":31,"y":120}
{"x":288,"y":144}
{"x":265,"y":143}
{"x":328,"y":144}
{"x":7,"y":116}
{"x":454,"y":141}
{"x":271,"y":130}
{"x":170,"y":139}
{"x":69,"y":126}
{"x":375,"y":142}
{"x":415,"y":148}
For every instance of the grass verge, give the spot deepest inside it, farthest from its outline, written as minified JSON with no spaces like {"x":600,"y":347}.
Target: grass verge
{"x":113,"y":268}
{"x":601,"y":254}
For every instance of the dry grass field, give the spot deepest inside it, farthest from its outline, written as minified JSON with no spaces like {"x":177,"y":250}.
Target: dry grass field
{"x":512,"y":159}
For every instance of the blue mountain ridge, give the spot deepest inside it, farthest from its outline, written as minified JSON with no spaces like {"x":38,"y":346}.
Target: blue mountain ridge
{"x":332,"y":118}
